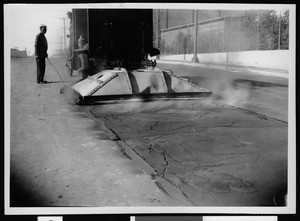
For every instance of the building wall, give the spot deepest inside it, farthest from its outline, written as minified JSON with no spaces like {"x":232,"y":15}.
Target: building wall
{"x":169,"y":18}
{"x":214,"y":35}
{"x":275,"y":59}
{"x":175,"y":17}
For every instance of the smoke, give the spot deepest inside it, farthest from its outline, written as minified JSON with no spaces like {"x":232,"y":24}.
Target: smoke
{"x":225,"y":92}
{"x":70,"y":95}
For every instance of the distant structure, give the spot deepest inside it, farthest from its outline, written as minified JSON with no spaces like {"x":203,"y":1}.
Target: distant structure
{"x":174,"y":30}
{"x":15,"y":53}
{"x":170,"y":18}
{"x":217,"y":31}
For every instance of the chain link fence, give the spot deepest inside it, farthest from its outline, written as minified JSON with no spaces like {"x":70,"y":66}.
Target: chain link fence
{"x":256,"y":30}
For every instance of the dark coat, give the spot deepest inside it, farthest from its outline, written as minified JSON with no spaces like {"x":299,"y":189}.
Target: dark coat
{"x":41,"y":46}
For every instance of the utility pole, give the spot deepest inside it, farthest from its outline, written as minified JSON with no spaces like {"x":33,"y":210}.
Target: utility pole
{"x":239,"y":42}
{"x":257,"y":37}
{"x":195,"y":58}
{"x":158,"y":30}
{"x":224,"y":34}
{"x":209,"y":39}
{"x":279,"y":30}
{"x":167,"y":15}
{"x":61,"y":45}
{"x":65,"y":44}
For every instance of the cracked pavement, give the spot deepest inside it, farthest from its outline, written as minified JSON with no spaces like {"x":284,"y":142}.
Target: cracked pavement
{"x":218,"y":157}
{"x":228,"y":150}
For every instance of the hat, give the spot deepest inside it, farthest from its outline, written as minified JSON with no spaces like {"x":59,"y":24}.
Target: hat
{"x":42,"y":26}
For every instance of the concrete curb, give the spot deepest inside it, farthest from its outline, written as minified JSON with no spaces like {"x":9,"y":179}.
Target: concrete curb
{"x":234,"y":68}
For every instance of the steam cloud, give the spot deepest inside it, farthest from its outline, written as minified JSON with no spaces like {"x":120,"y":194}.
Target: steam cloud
{"x":225,"y":93}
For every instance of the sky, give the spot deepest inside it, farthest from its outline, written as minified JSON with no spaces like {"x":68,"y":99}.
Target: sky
{"x":23,"y":22}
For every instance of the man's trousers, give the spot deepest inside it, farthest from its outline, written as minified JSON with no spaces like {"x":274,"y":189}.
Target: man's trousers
{"x":40,"y":68}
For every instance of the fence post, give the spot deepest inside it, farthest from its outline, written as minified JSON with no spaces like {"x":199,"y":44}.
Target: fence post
{"x":195,"y":58}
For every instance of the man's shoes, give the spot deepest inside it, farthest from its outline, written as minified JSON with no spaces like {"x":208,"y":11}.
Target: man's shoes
{"x":42,"y":82}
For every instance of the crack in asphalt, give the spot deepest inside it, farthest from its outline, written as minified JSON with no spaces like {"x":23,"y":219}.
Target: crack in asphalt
{"x":161,"y":175}
{"x":164,"y":175}
{"x":185,"y":126}
{"x":109,"y":117}
{"x":172,"y":183}
{"x":222,"y":164}
{"x":260,"y":116}
{"x":150,"y":149}
{"x":155,"y":125}
{"x":227,"y":125}
{"x":154,"y":139}
{"x":116,"y":118}
{"x":217,"y":126}
{"x":166,"y":163}
{"x":231,"y":154}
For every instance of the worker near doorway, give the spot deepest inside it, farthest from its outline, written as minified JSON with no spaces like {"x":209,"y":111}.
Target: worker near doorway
{"x":41,"y":47}
{"x":83,"y":57}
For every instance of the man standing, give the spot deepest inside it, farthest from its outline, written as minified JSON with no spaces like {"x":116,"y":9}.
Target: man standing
{"x":41,"y":47}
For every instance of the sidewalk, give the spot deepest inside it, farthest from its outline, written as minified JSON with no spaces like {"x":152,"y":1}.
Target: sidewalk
{"x":59,"y":155}
{"x":234,"y":68}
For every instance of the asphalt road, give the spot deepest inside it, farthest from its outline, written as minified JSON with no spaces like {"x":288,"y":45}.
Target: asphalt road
{"x":262,"y":94}
{"x":226,"y":150}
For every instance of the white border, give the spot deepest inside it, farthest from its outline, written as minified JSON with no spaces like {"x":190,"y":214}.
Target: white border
{"x":240,"y":218}
{"x":291,"y":208}
{"x":292,"y":110}
{"x":202,"y":6}
{"x":7,"y":97}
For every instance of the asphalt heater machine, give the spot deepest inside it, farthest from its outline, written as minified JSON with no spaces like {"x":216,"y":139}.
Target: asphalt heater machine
{"x":121,"y":58}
